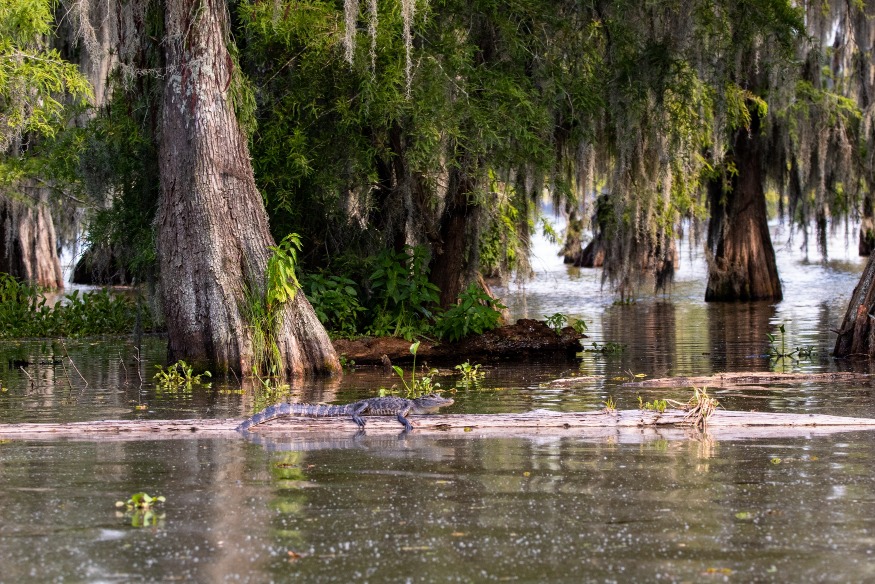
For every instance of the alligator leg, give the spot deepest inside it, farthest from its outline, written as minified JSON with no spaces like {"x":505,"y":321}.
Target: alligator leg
{"x":357,"y":415}
{"x":402,"y":417}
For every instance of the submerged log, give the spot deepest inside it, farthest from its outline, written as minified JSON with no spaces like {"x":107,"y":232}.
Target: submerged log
{"x":736,"y":379}
{"x":538,"y":422}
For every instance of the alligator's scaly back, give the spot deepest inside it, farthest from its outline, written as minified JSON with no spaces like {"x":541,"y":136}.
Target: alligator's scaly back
{"x":375,"y":406}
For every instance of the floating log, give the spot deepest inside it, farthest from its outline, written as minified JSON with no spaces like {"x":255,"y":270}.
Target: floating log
{"x":538,"y":422}
{"x":722,"y":380}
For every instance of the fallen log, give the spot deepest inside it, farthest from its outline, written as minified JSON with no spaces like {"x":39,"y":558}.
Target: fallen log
{"x":538,"y":422}
{"x":527,"y":339}
{"x":723,"y":380}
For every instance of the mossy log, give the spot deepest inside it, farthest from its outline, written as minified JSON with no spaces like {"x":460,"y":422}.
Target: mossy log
{"x":539,"y":422}
{"x":526,"y":339}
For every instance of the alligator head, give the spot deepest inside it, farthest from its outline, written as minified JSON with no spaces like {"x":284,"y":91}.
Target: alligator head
{"x":429,"y":404}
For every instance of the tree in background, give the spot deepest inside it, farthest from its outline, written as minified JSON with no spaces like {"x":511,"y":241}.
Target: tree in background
{"x":39,"y":94}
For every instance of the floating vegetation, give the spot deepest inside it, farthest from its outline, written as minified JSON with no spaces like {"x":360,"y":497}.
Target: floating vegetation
{"x":610,"y":405}
{"x":471,"y":375}
{"x":179,"y":375}
{"x":609,"y":348}
{"x":140,"y":508}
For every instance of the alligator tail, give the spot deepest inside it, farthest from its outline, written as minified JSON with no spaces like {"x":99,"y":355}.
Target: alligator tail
{"x":286,"y":409}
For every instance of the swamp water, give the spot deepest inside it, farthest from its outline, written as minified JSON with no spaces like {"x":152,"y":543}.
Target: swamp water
{"x":628,"y":507}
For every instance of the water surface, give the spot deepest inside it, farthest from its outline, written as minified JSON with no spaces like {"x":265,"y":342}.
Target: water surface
{"x":652,"y":507}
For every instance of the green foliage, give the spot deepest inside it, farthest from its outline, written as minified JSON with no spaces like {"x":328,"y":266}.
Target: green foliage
{"x":416,"y":387}
{"x":179,"y":375}
{"x":140,"y":509}
{"x":609,"y":348}
{"x":24,"y":312}
{"x":471,"y":375}
{"x":658,"y":405}
{"x":579,"y":326}
{"x":140,"y":501}
{"x":402,"y":295}
{"x":336,"y":302}
{"x":556,"y":322}
{"x":282,"y":282}
{"x":33,"y":77}
{"x":610,"y":405}
{"x":263,"y":306}
{"x":475,"y":313}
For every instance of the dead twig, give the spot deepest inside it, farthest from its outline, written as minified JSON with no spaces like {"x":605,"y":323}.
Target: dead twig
{"x":82,"y":377}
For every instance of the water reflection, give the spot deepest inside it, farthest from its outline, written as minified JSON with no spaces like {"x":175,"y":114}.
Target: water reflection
{"x":454,"y":509}
{"x":640,"y":505}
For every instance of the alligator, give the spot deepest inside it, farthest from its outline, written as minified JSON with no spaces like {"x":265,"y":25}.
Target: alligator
{"x":375,"y":406}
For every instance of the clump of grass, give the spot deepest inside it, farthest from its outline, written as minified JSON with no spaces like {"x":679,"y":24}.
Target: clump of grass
{"x":610,"y":405}
{"x":699,"y":408}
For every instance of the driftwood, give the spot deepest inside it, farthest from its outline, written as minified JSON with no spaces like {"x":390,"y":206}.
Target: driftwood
{"x":723,"y":424}
{"x":722,"y":380}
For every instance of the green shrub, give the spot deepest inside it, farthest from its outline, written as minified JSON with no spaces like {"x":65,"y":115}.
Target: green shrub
{"x":336,"y":302}
{"x":475,"y":313}
{"x":402,"y":296}
{"x":24,"y":313}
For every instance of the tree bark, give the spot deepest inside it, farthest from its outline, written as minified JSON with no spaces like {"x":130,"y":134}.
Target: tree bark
{"x":857,"y":335}
{"x":213,"y":232}
{"x":867,"y":229}
{"x":454,"y":263}
{"x":28,"y":245}
{"x":742,"y":260}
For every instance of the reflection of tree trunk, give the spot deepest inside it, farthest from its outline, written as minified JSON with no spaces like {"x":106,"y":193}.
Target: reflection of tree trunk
{"x":867,"y":229}
{"x":28,"y":246}
{"x":213,"y":233}
{"x":738,"y":335}
{"x":455,"y":263}
{"x":652,"y":327}
{"x":856,"y":333}
{"x":742,"y":263}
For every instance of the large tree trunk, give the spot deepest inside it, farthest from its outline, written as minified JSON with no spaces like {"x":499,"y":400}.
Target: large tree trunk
{"x":454,"y":263}
{"x":742,"y":259}
{"x":213,"y":233}
{"x":28,"y":246}
{"x":857,"y":335}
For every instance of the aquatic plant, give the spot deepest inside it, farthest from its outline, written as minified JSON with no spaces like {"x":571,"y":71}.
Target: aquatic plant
{"x":608,"y":348}
{"x":610,"y":405}
{"x":416,"y":387}
{"x":471,"y":374}
{"x":658,"y":405}
{"x":774,"y":351}
{"x":140,"y":508}
{"x":179,"y":374}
